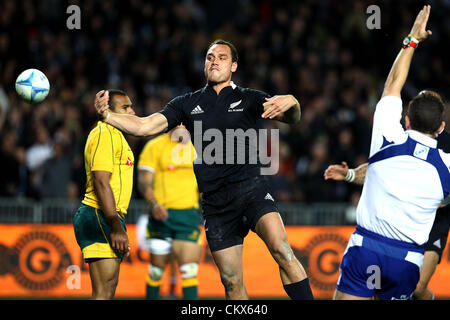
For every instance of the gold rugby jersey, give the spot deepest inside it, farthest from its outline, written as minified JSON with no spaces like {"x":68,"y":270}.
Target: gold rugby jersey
{"x":107,"y":150}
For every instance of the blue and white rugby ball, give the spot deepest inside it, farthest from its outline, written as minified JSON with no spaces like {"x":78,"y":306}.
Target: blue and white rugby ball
{"x":32,"y":86}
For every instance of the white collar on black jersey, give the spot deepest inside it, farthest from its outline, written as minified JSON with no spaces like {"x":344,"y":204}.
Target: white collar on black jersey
{"x":232,"y":85}
{"x":420,"y":137}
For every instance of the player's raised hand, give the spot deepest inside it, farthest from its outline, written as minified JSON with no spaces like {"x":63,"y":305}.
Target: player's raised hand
{"x":101,"y":102}
{"x":336,"y":171}
{"x":277,"y":105}
{"x":419,"y":30}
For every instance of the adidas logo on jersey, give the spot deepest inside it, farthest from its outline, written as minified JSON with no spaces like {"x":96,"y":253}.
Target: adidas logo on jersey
{"x":197,"y":110}
{"x":268,"y":197}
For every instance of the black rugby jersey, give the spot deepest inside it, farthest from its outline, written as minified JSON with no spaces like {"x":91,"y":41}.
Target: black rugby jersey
{"x":218,"y":125}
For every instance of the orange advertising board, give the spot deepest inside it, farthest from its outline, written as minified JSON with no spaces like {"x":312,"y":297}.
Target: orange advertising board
{"x":45,"y":261}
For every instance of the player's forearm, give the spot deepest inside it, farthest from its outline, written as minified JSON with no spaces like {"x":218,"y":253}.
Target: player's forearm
{"x":147,"y":192}
{"x":360,"y":174}
{"x":105,"y":196}
{"x":355,"y":176}
{"x":398,"y":73}
{"x":145,"y":187}
{"x":150,"y":197}
{"x":137,"y":126}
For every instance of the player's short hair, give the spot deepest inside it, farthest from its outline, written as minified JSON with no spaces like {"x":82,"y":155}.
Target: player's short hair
{"x":112,"y":94}
{"x":426,"y":112}
{"x":234,"y":54}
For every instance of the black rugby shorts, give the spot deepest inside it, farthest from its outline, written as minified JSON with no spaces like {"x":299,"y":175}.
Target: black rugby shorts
{"x":231,"y":211}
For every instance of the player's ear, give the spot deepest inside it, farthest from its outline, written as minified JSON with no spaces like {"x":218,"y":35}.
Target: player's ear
{"x":234,"y":66}
{"x":407,"y":123}
{"x":441,"y":128}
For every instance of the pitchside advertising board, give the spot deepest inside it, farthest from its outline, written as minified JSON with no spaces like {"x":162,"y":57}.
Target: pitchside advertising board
{"x":45,"y":261}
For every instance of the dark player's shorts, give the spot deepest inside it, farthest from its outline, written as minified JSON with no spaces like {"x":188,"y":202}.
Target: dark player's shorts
{"x":231,"y":211}
{"x":439,"y":232}
{"x":180,"y":225}
{"x":93,"y":233}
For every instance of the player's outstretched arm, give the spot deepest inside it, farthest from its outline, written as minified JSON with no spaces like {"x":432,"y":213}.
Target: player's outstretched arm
{"x":284,"y":108}
{"x":342,"y":172}
{"x":131,"y":124}
{"x":399,"y":71}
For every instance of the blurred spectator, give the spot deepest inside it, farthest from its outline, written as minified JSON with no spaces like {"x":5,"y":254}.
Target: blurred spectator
{"x":282,"y":183}
{"x":10,"y":164}
{"x":41,"y":150}
{"x":56,"y":171}
{"x":344,"y":147}
{"x":4,"y":105}
{"x":310,"y":173}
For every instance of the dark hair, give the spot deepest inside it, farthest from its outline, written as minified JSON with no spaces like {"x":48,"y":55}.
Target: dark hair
{"x":234,"y":54}
{"x":112,"y":94}
{"x":426,"y":112}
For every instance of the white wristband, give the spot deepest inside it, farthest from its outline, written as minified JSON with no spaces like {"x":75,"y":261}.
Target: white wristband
{"x":350,"y":177}
{"x":414,"y":39}
{"x":108,"y":115}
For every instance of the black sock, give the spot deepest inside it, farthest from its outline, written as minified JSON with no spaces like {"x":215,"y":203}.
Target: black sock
{"x":299,"y":290}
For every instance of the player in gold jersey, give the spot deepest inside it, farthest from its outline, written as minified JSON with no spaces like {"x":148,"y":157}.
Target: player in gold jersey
{"x":167,"y":181}
{"x":99,"y":223}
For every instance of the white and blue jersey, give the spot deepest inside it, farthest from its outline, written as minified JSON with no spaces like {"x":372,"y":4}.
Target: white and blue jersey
{"x":406,"y":180}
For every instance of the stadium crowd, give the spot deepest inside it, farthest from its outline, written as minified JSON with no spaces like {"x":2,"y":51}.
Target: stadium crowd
{"x":321,"y":51}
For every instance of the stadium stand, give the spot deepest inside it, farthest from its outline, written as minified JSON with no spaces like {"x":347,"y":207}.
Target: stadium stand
{"x":321,"y":51}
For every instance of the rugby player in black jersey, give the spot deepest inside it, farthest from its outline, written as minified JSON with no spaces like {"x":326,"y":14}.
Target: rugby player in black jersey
{"x":236,"y":196}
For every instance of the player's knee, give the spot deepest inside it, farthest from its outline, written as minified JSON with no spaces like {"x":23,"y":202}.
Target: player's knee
{"x":189,"y":270}
{"x":105,"y":290}
{"x":155,"y":273}
{"x":281,"y":251}
{"x":111,"y":288}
